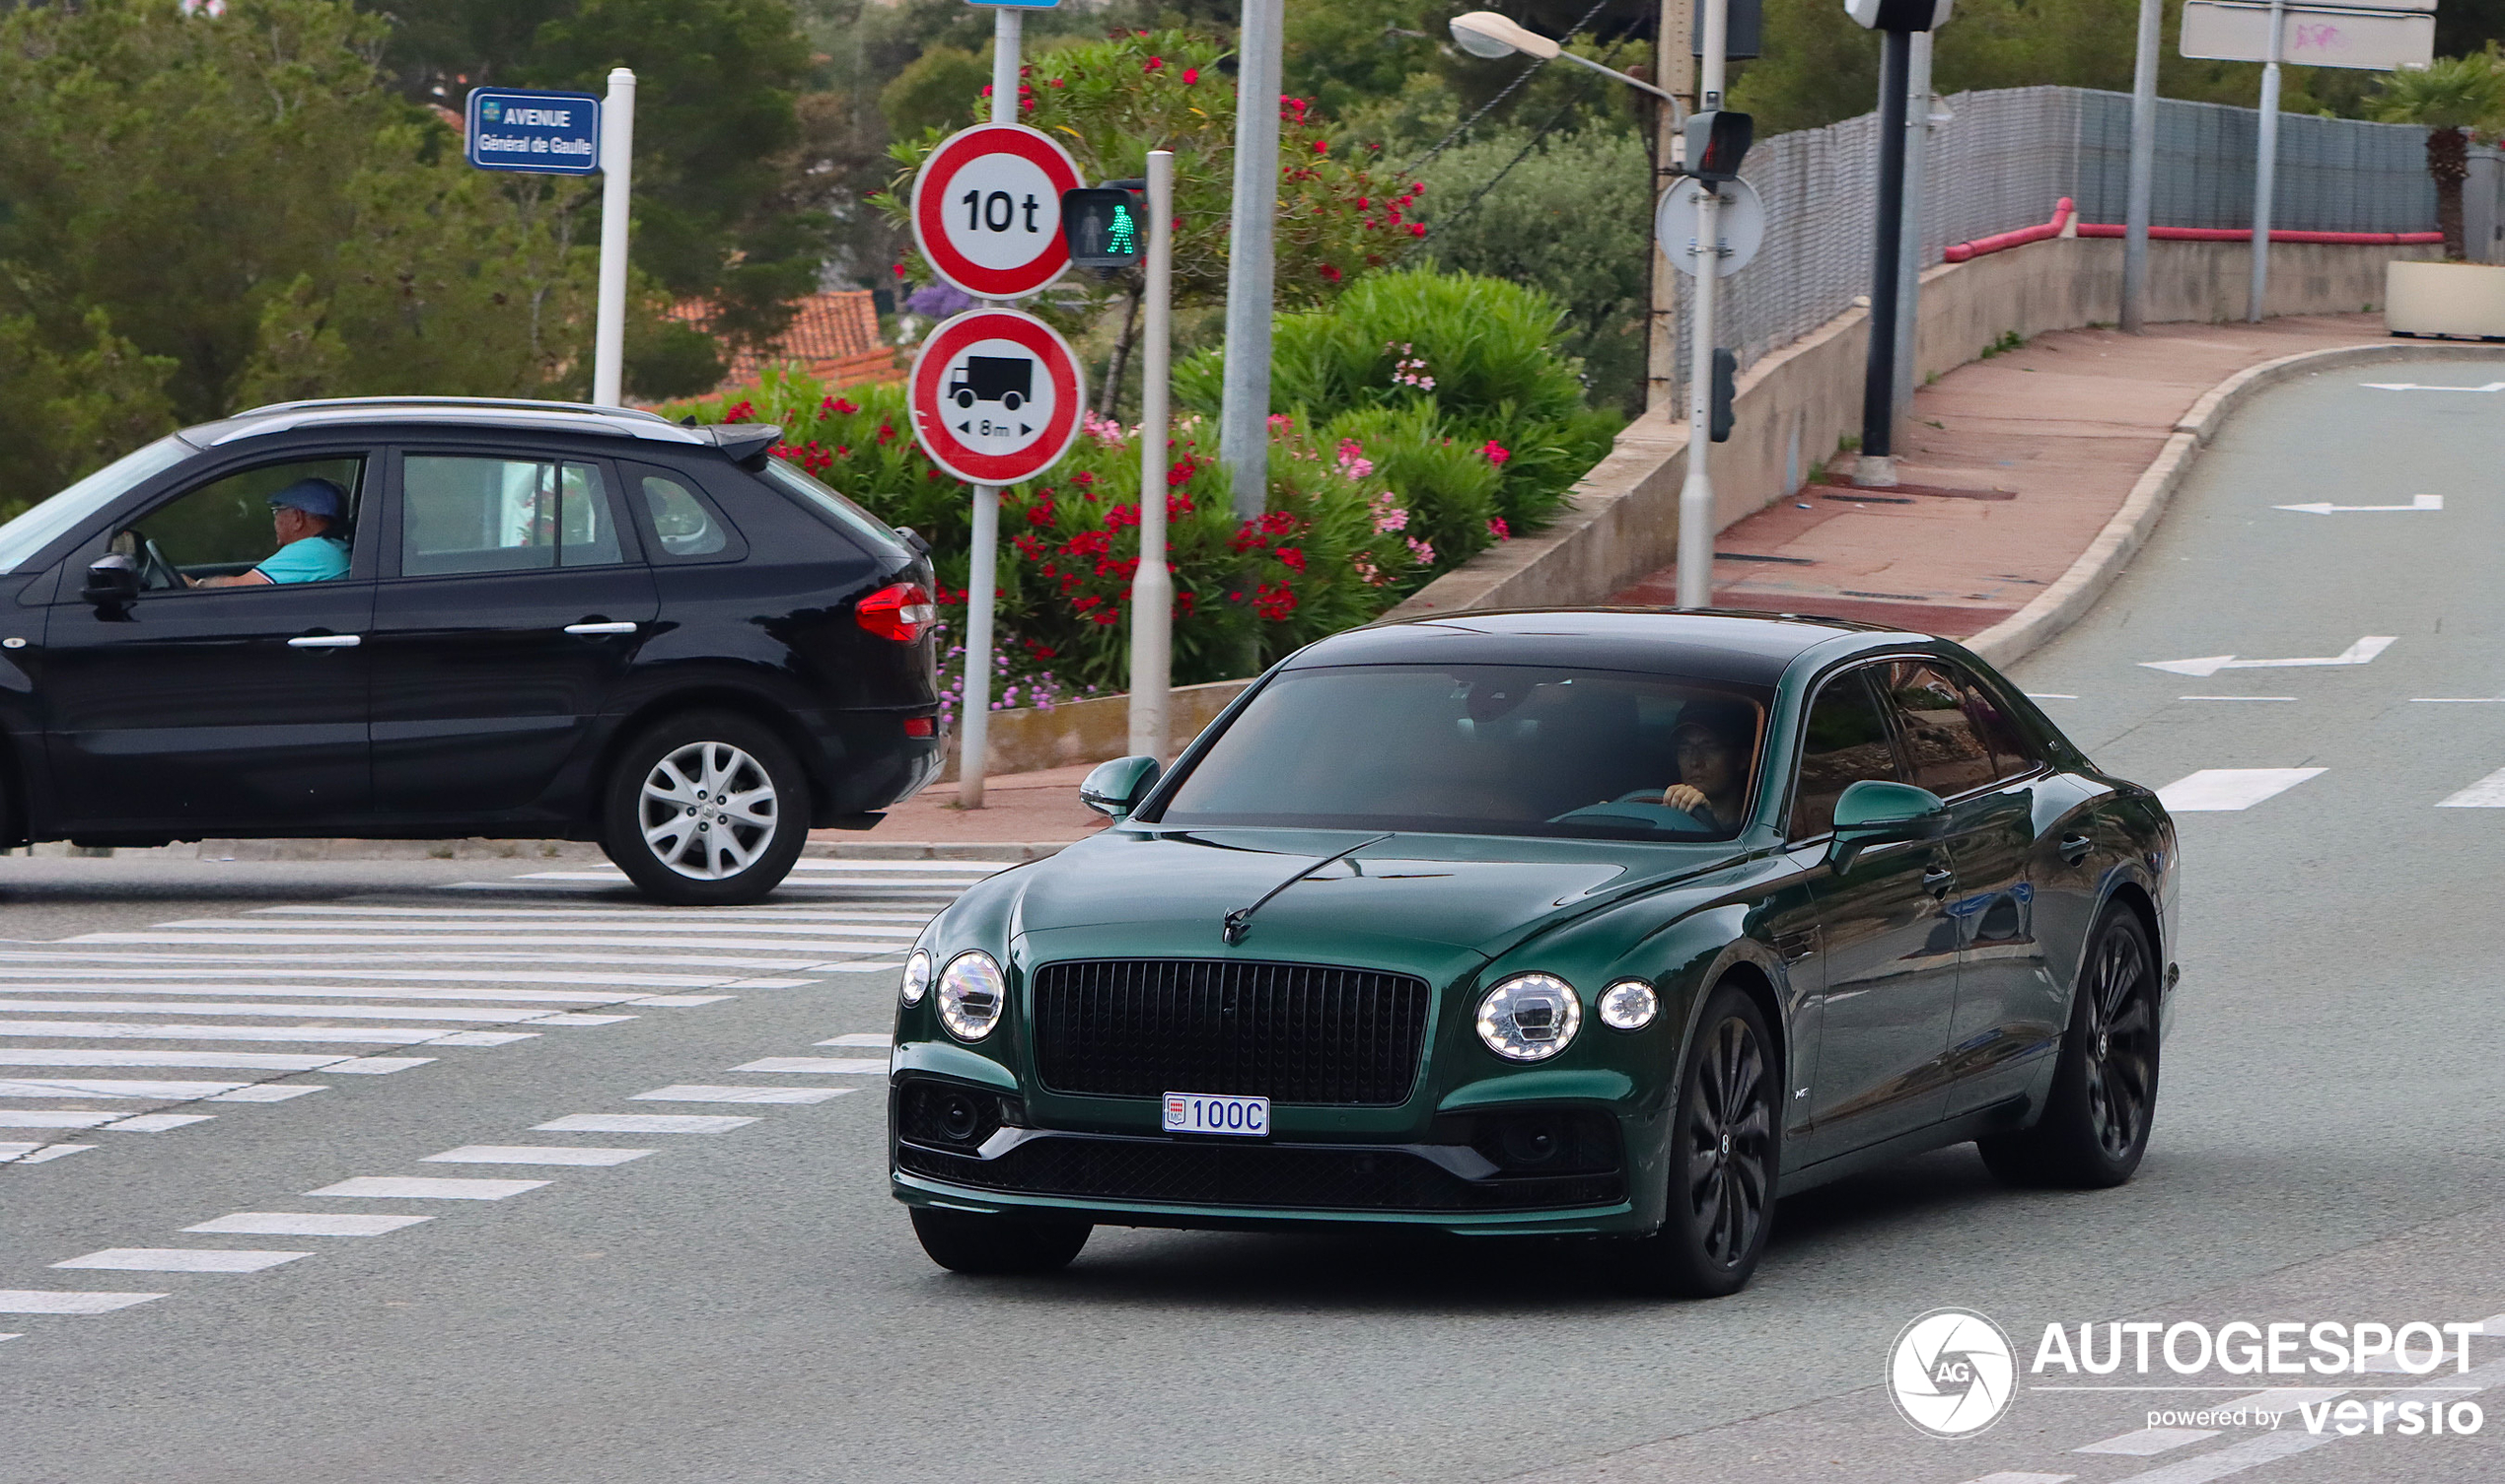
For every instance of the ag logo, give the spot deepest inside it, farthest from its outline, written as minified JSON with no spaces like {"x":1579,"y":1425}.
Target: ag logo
{"x":1952,"y":1373}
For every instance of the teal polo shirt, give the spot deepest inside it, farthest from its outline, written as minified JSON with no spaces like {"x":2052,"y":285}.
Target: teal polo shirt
{"x":315,"y":558}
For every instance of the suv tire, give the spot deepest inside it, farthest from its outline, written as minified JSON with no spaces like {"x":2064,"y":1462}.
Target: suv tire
{"x":706,"y":809}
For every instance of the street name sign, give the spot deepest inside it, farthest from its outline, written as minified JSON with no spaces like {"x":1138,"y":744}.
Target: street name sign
{"x":996,"y":396}
{"x":2367,"y":34}
{"x":987,"y":210}
{"x":538,"y":133}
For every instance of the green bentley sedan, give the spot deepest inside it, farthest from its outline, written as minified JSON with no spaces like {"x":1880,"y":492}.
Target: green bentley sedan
{"x":1617,"y":923}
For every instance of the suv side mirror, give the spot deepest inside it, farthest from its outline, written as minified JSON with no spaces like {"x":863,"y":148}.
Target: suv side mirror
{"x":1117,"y":788}
{"x":1873,"y":812}
{"x":112,"y":584}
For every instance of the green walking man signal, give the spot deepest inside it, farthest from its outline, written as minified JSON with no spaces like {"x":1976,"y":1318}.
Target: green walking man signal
{"x":1104,"y":226}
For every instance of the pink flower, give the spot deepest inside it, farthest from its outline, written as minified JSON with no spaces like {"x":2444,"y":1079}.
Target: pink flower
{"x":1423,"y":551}
{"x":1497,"y":527}
{"x":1496,"y":452}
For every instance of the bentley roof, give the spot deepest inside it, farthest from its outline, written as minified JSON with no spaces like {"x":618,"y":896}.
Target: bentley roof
{"x":1708,"y":644}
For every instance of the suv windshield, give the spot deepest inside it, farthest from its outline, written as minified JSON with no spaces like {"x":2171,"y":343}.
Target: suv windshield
{"x":39,"y":527}
{"x":1483,"y":750}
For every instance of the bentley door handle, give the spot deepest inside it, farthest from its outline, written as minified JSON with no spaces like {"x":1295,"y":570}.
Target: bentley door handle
{"x":589,"y":626}
{"x":1938,"y":879}
{"x":325,"y":641}
{"x":2075,"y":848}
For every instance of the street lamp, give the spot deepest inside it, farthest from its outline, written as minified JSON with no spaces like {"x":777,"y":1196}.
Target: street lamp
{"x":1713,"y":156}
{"x":1486,"y":33}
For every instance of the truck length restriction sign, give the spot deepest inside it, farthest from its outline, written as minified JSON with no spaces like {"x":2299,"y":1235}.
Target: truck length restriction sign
{"x":987,"y":209}
{"x":996,"y":396}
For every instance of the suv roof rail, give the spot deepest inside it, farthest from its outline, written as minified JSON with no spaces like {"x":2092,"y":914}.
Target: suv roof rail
{"x":589,"y":409}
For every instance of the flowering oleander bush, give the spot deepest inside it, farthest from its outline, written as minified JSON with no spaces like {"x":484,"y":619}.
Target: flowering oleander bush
{"x":1335,"y":547}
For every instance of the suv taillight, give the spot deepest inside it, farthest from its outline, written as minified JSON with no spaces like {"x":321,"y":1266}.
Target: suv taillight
{"x":900,"y":613}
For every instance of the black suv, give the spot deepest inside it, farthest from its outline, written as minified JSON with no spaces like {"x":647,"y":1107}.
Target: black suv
{"x":555,"y":620}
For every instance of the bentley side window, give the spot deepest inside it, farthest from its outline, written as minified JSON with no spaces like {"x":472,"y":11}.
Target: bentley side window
{"x":1945,"y":751}
{"x":2012,"y":752}
{"x":1845,"y":743}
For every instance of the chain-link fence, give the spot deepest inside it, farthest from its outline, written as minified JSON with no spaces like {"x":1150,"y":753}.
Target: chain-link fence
{"x":2003,"y":158}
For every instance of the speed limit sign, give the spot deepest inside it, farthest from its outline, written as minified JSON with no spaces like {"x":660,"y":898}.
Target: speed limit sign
{"x":987,"y":209}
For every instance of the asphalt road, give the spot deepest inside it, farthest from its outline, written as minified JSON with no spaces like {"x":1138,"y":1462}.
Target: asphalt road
{"x":748,"y":1307}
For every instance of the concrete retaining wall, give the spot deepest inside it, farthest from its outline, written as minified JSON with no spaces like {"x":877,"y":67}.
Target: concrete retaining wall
{"x":1793,"y":407}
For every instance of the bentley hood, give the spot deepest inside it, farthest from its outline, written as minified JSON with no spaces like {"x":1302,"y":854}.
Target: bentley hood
{"x":1406,"y":901}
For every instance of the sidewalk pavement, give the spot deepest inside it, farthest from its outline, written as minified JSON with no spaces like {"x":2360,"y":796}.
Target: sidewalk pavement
{"x":1040,"y":808}
{"x":2013,"y":466}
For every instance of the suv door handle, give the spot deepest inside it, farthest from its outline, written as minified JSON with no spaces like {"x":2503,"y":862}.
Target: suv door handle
{"x":1938,"y":879}
{"x":325,"y":641}
{"x":589,"y":626}
{"x":2075,"y":848}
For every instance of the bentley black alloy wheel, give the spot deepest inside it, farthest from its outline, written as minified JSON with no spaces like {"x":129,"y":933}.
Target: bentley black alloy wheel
{"x":2096,"y":1121}
{"x":1722,"y":1163}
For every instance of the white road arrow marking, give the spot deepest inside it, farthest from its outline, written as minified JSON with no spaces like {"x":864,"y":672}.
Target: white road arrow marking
{"x":2360,"y":653}
{"x":2414,"y":387}
{"x":2324,"y":507}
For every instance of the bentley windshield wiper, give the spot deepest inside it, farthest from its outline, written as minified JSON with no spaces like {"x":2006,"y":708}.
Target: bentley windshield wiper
{"x":1238,"y":921}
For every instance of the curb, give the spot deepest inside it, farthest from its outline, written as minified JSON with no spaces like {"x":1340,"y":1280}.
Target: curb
{"x":2109,"y":556}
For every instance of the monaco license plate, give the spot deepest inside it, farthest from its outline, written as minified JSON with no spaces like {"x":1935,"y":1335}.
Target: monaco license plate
{"x":1209,"y":1114}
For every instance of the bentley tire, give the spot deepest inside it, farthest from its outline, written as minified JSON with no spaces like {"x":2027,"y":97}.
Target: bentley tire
{"x":2096,"y":1119}
{"x":706,"y":809}
{"x":965,"y":1242}
{"x":1722,"y":1160}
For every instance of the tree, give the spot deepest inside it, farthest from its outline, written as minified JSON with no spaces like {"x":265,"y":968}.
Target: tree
{"x":204,"y":213}
{"x":718,"y":173}
{"x":2451,"y":95}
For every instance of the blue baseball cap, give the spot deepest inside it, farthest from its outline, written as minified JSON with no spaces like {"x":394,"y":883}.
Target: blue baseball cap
{"x":315,"y":497}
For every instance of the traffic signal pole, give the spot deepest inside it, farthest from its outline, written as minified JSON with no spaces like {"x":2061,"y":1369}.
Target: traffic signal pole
{"x":1152,"y":586}
{"x":1696,"y":496}
{"x":1877,"y":466}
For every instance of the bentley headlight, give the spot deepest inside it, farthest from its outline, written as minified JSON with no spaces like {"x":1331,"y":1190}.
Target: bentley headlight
{"x":1629,"y":1005}
{"x":971,"y":991}
{"x":1530,"y":1016}
{"x":917,"y":976}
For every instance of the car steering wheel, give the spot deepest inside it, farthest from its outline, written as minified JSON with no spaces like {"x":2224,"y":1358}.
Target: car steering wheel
{"x":1641,"y":806}
{"x":154,"y":571}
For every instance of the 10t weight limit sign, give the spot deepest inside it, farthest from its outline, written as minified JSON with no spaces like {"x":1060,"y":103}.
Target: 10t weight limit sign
{"x":987,"y":210}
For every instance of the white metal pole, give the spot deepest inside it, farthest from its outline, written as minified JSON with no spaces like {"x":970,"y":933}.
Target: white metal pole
{"x":1696,"y":496}
{"x":617,"y":160}
{"x":1152,"y":587}
{"x":973,"y":729}
{"x":2265,"y":166}
{"x":1917,"y":138}
{"x":2143,"y":169}
{"x":1677,"y":73}
{"x":1244,"y":432}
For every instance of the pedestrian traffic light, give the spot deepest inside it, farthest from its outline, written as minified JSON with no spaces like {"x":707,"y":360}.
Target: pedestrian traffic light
{"x":1717,"y":141}
{"x":1106,"y":228}
{"x":1726,"y":377}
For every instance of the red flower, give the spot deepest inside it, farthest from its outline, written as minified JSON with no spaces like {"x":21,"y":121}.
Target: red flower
{"x":1181,"y":471}
{"x":1275,"y":601}
{"x":739,"y":412}
{"x":1292,"y":558}
{"x":1496,"y":452}
{"x":899,"y":270}
{"x":1417,"y":228}
{"x":836,"y":404}
{"x":1191,"y":75}
{"x":1322,"y":146}
{"x":986,"y":90}
{"x":1108,"y":616}
{"x":1330,"y":272}
{"x":1152,"y":64}
{"x":844,"y":451}
{"x":1025,"y":106}
{"x":1039,"y":514}
{"x":886,"y":430}
{"x":1058,"y":83}
{"x":1084,"y":479}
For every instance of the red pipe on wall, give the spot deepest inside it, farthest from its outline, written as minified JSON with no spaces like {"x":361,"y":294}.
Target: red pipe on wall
{"x":1958,"y":253}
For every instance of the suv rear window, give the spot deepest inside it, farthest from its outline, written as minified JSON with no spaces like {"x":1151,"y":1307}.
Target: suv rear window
{"x":873,"y":534}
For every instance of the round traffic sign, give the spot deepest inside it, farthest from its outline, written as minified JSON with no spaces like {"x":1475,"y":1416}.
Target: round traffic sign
{"x":987,"y":209}
{"x":1742,"y":228}
{"x":996,"y":396}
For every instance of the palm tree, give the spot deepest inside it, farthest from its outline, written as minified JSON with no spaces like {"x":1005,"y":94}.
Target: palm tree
{"x":2451,"y":96}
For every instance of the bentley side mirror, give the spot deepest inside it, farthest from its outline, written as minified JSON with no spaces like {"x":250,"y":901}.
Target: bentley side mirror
{"x":112,"y":584}
{"x":1117,"y":788}
{"x":1873,"y":812}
